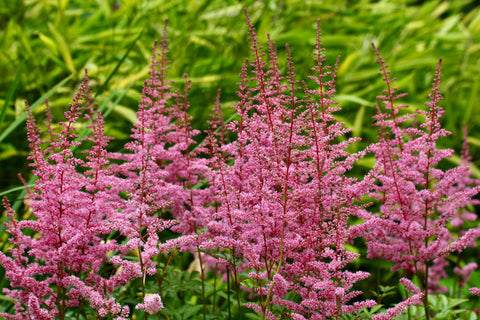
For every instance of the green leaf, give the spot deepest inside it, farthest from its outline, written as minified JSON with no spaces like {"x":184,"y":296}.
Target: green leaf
{"x":125,"y":55}
{"x":472,"y":316}
{"x":127,"y":113}
{"x":49,"y":42}
{"x":34,"y":106}
{"x":252,"y":316}
{"x":4,"y":193}
{"x":358,"y":124}
{"x":63,"y":48}
{"x":226,"y":12}
{"x":355,"y":99}
{"x":11,"y":91}
{"x":472,"y":102}
{"x":191,"y":310}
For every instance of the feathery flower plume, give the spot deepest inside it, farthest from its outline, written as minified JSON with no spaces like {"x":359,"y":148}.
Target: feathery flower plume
{"x":57,"y":264}
{"x":417,"y":199}
{"x":160,"y":174}
{"x":284,"y":203}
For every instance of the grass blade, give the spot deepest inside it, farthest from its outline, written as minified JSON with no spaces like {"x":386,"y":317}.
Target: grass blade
{"x":120,"y":97}
{"x":10,"y":92}
{"x":37,"y":103}
{"x":100,"y":90}
{"x":63,"y":48}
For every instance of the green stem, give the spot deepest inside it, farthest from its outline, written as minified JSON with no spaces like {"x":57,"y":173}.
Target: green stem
{"x":425,"y":298}
{"x":235,"y":279}
{"x":203,"y":282}
{"x":214,"y":287}
{"x":228,"y":295}
{"x":142,"y":267}
{"x":456,"y":281}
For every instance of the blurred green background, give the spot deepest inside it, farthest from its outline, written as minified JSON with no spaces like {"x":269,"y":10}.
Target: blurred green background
{"x":47,"y":44}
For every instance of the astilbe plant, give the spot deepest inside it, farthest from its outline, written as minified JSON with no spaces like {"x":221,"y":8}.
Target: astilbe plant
{"x":463,"y":218}
{"x":464,"y":215}
{"x":273,"y":208}
{"x":283,"y":204}
{"x":159,"y":176}
{"x":70,"y":260}
{"x":417,"y":199}
{"x":59,"y":259}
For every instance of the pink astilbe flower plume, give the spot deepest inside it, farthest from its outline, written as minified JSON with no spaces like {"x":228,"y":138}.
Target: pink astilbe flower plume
{"x":60,"y":265}
{"x":417,"y":199}
{"x":187,"y":169}
{"x":162,"y":168}
{"x":463,"y":215}
{"x":283,"y":203}
{"x":465,"y":181}
{"x":160,"y":175}
{"x":152,"y":303}
{"x":274,"y":209}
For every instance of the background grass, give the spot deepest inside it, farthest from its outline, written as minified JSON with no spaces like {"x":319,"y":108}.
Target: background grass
{"x":45,"y":45}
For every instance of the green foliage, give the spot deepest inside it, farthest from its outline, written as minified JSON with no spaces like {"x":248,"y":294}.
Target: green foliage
{"x":46,"y":45}
{"x":179,"y":303}
{"x":443,"y":307}
{"x":364,"y":314}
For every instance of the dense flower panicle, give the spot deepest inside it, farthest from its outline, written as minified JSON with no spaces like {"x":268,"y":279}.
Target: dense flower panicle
{"x":162,"y":169}
{"x":160,"y":174}
{"x":70,"y":202}
{"x":75,"y":209}
{"x":475,"y":291}
{"x":152,"y":303}
{"x":215,"y":134}
{"x":188,"y":170}
{"x":416,"y":299}
{"x":284,"y":203}
{"x":416,"y":199}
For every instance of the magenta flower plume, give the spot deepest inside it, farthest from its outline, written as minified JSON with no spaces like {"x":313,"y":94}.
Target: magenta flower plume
{"x":152,"y":303}
{"x":160,"y":174}
{"x":475,"y":291}
{"x":143,"y":169}
{"x":283,"y":204}
{"x":417,"y":199}
{"x":162,"y":169}
{"x":57,"y":264}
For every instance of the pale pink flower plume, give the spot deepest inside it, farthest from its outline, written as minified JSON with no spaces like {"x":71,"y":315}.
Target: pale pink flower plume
{"x":152,"y":303}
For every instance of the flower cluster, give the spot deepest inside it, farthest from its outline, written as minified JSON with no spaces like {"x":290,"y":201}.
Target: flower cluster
{"x":284,"y":202}
{"x":417,"y":199}
{"x":60,"y":258}
{"x":275,"y":208}
{"x":79,"y":204}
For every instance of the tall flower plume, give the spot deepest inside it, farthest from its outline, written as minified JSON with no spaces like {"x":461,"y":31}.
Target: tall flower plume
{"x":284,"y":203}
{"x":57,"y":258}
{"x":417,"y":199}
